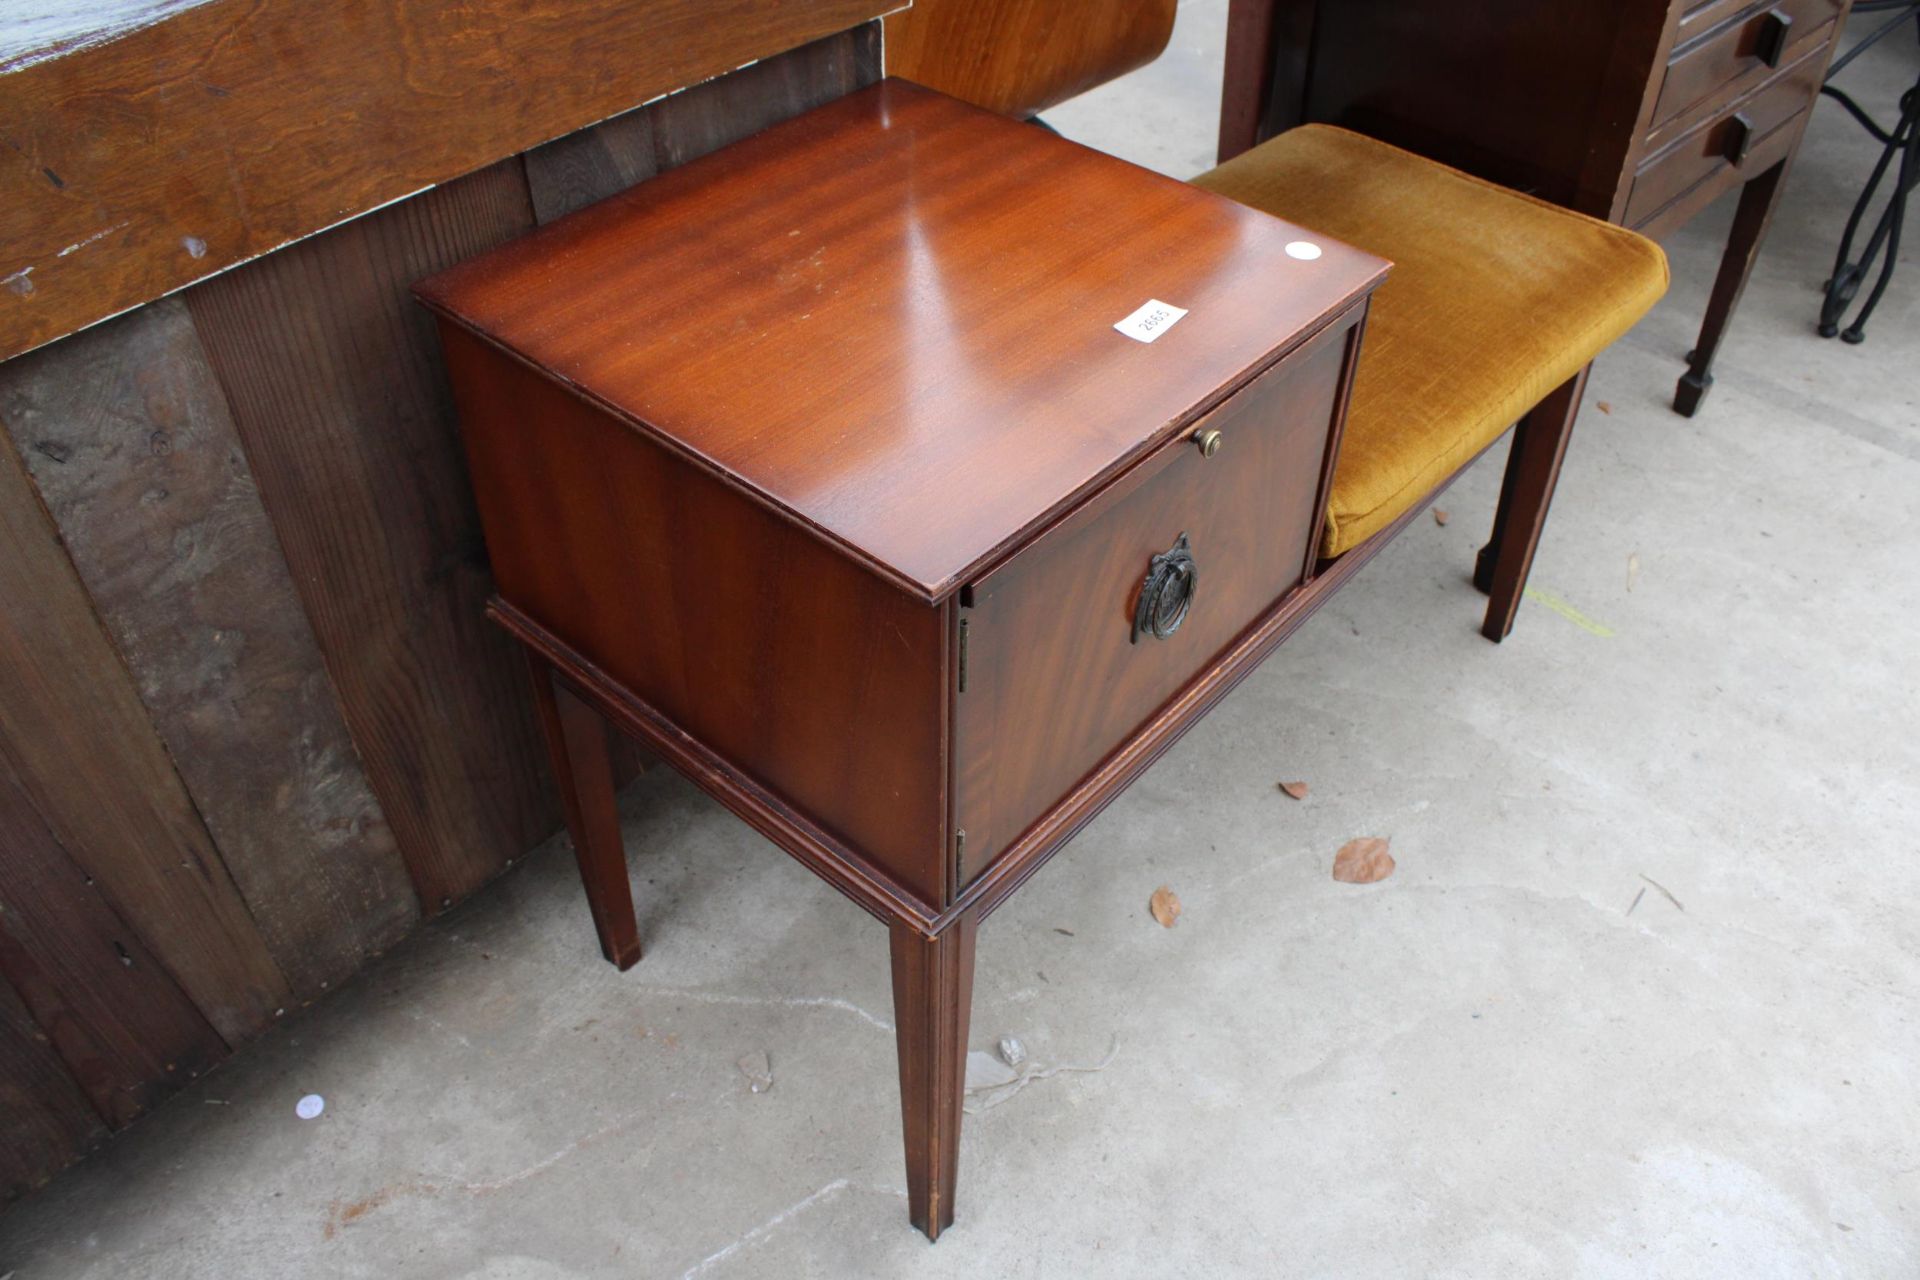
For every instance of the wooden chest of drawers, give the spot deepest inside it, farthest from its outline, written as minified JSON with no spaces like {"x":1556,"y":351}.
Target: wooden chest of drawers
{"x":825,"y":466}
{"x":1693,"y":158}
{"x":1729,"y":103}
{"x":1639,"y":111}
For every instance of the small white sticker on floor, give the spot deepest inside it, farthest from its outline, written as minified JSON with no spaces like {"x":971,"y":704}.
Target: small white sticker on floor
{"x":310,"y":1107}
{"x":1151,"y":320}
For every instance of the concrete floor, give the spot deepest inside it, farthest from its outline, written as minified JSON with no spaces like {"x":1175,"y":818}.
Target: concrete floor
{"x":1640,"y":999}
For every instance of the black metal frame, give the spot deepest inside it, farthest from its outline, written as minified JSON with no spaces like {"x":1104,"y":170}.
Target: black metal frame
{"x":1903,"y":141}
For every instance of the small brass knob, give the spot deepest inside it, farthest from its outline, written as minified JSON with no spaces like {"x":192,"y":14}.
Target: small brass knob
{"x":1209,"y":441}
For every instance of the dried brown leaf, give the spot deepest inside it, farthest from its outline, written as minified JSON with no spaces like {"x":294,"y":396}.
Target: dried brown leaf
{"x":1298,"y":790}
{"x":1363,"y":861}
{"x":1440,"y":515}
{"x":1165,"y":905}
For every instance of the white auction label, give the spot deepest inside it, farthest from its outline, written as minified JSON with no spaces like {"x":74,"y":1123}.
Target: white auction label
{"x":1151,"y":320}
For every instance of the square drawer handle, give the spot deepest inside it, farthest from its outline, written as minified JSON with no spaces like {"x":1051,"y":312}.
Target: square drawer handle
{"x":1739,"y":139}
{"x":1775,"y":27}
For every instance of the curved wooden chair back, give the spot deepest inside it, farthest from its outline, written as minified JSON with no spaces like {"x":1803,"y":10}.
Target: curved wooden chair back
{"x":1019,"y":57}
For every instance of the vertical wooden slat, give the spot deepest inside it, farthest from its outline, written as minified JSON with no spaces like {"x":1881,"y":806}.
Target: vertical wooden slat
{"x":336,"y":387}
{"x":571,"y":172}
{"x":264,"y":667}
{"x":707,"y":117}
{"x":89,"y":763}
{"x":127,"y":1033}
{"x":45,"y":1122}
{"x":242,"y":126}
{"x":128,"y":437}
{"x":611,"y":156}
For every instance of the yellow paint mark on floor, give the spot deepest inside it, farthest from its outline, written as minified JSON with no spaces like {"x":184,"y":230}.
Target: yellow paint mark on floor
{"x":1570,"y":613}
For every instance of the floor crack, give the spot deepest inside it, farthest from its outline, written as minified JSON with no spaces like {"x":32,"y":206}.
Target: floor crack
{"x":754,"y":1235}
{"x":795,"y":1002}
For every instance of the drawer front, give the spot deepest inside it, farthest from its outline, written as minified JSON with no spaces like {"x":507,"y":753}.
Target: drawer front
{"x":1752,"y":42}
{"x":1056,"y":676}
{"x":1702,"y":18}
{"x":1745,"y":139}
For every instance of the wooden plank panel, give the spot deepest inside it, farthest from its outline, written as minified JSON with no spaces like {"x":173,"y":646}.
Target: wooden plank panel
{"x":126,"y":1031}
{"x":138,"y":166}
{"x":91,"y":765}
{"x":128,"y":437}
{"x":709,"y":116}
{"x":43,"y":1114}
{"x":338,"y":392}
{"x":572,"y":172}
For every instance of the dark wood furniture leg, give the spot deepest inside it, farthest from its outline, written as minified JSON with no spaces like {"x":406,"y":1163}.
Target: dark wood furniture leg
{"x":932,"y":1000}
{"x":583,"y":769}
{"x":1758,"y":199}
{"x":1533,"y":468}
{"x":1483,"y":563}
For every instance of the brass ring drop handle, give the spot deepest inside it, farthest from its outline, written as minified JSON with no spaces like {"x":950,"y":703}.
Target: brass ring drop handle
{"x":1166,"y":595}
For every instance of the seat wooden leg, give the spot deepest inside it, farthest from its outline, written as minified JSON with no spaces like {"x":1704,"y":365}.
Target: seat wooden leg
{"x":932,"y":1000}
{"x":583,"y":770}
{"x":1758,"y":199}
{"x":1483,"y":563}
{"x":1533,"y":468}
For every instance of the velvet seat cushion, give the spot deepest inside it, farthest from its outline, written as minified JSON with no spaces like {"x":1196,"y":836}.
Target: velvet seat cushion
{"x":1494,"y":300}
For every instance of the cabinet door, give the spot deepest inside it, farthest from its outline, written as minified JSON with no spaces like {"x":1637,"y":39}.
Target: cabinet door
{"x":1059,"y":674}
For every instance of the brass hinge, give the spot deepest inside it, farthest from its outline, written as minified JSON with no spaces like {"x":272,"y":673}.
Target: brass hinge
{"x":963,"y":655}
{"x":959,"y":855}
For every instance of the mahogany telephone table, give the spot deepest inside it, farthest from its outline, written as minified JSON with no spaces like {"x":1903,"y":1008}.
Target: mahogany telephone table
{"x":909,"y":478}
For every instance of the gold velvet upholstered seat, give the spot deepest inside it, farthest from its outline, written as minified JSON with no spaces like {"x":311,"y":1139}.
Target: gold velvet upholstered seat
{"x":1497,"y":303}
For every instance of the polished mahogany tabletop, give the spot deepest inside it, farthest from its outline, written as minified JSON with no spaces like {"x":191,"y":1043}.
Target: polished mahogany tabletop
{"x":892,"y":319}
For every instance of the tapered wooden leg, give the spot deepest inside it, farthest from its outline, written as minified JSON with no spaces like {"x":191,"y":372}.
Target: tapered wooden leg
{"x":1539,"y":447}
{"x":1483,"y":563}
{"x":1758,"y":199}
{"x":583,"y":770}
{"x":932,"y":998}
